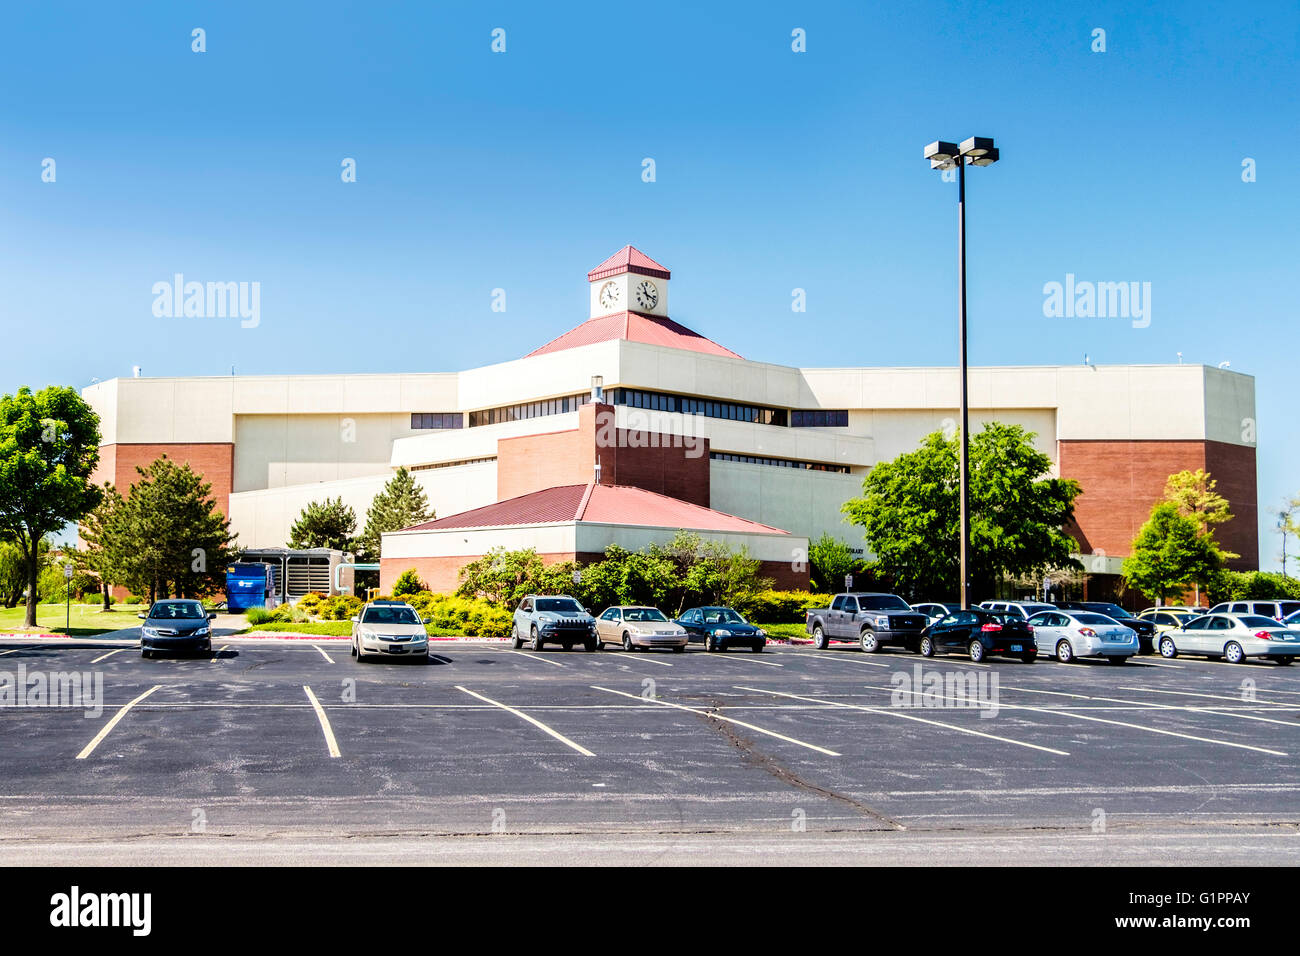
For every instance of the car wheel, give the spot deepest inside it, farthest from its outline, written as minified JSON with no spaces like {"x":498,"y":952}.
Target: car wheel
{"x":1167,"y":648}
{"x":352,"y":648}
{"x":926,"y":647}
{"x":592,"y":645}
{"x":709,"y":646}
{"x":1064,"y":652}
{"x":515,"y":640}
{"x":819,"y":638}
{"x":537,"y":643}
{"x":870,"y":643}
{"x":627,"y":642}
{"x":361,"y":655}
{"x":976,"y":651}
{"x":1234,"y":653}
{"x":1285,"y":660}
{"x":145,"y":652}
{"x":758,"y":649}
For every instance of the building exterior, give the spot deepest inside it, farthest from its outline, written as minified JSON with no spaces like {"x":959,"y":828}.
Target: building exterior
{"x":632,"y":399}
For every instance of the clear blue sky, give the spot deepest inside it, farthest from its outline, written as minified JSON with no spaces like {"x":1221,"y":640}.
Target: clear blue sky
{"x":775,"y":170}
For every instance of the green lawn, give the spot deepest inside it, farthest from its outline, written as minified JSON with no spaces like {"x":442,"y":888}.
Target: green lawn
{"x":87,"y":619}
{"x":786,"y":631}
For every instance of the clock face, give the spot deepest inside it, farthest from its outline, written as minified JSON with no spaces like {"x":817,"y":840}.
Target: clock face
{"x":647,"y":296}
{"x":609,"y":294}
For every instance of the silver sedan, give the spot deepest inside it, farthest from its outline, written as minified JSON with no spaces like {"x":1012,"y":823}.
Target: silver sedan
{"x":1233,"y":638}
{"x":1066,"y":635}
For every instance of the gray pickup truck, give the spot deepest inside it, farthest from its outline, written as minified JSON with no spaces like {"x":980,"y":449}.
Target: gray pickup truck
{"x":873,"y":620}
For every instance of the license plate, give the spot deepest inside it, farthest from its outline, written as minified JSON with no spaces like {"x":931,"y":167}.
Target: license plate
{"x":1015,"y":647}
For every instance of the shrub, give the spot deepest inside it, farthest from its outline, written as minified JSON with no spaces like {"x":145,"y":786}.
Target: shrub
{"x":259,"y":615}
{"x":311,"y":602}
{"x":340,"y":607}
{"x":408,"y":582}
{"x":780,"y":607}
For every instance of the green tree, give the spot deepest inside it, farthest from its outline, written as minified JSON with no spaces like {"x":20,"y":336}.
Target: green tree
{"x":909,"y":513}
{"x":1193,"y":492}
{"x":324,"y":524}
{"x":13,"y":572}
{"x":830,"y":559}
{"x":96,"y":556}
{"x":49,"y":446}
{"x":408,"y":583}
{"x":401,"y":504}
{"x":166,"y":537}
{"x":1171,"y":553}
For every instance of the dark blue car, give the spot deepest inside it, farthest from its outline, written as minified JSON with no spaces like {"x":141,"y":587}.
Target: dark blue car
{"x":719,"y":628}
{"x":175,"y":625}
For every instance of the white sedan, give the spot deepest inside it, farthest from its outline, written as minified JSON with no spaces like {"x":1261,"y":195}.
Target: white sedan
{"x":1066,"y":635}
{"x":1233,"y":637}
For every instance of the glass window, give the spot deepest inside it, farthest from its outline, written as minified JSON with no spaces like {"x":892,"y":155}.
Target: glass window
{"x":884,"y":602}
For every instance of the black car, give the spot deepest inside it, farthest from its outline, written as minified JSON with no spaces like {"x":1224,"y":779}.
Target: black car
{"x":719,"y":628}
{"x":980,"y":633}
{"x":1145,"y":629}
{"x":175,"y":624}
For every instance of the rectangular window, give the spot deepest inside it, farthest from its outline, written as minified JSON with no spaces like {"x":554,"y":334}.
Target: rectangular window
{"x":421,"y":421}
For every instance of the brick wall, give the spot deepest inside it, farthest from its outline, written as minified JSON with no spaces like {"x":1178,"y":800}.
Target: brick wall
{"x":213,"y":460}
{"x":646,"y":460}
{"x":1122,"y":480}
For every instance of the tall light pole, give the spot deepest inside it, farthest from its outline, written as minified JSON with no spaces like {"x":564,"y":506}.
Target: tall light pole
{"x":976,"y":151}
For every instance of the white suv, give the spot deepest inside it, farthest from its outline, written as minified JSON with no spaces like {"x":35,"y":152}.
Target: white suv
{"x":1277,"y":610}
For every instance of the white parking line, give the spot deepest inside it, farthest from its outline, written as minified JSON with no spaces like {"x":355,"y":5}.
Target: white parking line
{"x":900,"y":714}
{"x":330,"y":742}
{"x":1156,"y":706}
{"x":1239,"y":699}
{"x":537,"y":658}
{"x":532,"y":720}
{"x":102,"y":657}
{"x":816,"y":655}
{"x":99,"y":737}
{"x":748,"y":660}
{"x":323,"y":654}
{"x":717,"y":716}
{"x":648,"y":660}
{"x":1122,"y":723}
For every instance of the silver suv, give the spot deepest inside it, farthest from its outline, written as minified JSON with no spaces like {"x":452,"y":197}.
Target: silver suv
{"x":1021,"y":609}
{"x":1277,"y":610}
{"x":552,"y":619}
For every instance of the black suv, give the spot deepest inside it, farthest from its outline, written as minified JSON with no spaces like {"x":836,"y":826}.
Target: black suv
{"x":1145,"y":629}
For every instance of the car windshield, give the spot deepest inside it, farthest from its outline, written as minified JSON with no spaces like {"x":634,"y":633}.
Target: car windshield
{"x":1036,"y":608}
{"x":1256,"y":620}
{"x":882,"y":602}
{"x":643,"y":614}
{"x":390,"y":615}
{"x":559,"y":605}
{"x":1003,"y":617}
{"x":1095,"y":619}
{"x":1112,"y":610}
{"x":177,"y":611}
{"x":722,"y":615}
{"x":1289,"y":607}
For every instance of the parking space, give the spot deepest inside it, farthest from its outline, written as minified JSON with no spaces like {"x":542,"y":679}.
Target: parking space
{"x":293,"y":733}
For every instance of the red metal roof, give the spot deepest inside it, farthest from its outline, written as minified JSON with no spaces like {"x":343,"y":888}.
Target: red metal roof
{"x":605,"y":504}
{"x":628,"y":259}
{"x":634,"y":327}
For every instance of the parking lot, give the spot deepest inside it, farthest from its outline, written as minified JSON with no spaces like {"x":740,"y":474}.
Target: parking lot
{"x":290,"y":740}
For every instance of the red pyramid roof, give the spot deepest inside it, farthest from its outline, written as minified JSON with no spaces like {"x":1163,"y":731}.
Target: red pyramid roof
{"x":604,"y":504}
{"x":634,"y":327}
{"x":628,"y":259}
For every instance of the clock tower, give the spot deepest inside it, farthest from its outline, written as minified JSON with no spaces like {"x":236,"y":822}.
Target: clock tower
{"x":629,"y":281}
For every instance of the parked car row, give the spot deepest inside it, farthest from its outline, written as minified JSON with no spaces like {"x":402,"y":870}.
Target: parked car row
{"x":1023,"y":630}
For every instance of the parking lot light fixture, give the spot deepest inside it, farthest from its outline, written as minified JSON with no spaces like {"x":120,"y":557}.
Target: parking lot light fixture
{"x":976,"y":151}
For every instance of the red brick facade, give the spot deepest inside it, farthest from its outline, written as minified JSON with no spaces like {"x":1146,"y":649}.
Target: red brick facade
{"x":215,"y":461}
{"x":667,"y":464}
{"x":1122,"y":480}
